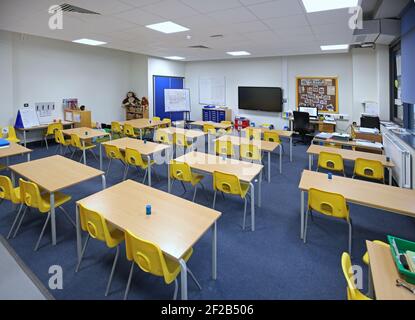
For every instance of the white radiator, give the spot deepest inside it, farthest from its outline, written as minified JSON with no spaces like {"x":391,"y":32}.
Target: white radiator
{"x":401,"y":157}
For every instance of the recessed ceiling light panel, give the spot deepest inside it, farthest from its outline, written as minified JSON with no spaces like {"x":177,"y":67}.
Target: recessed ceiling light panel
{"x":238,"y":53}
{"x":175,"y":58}
{"x":167,"y":27}
{"x":335,"y":47}
{"x":326,"y":5}
{"x":90,"y":42}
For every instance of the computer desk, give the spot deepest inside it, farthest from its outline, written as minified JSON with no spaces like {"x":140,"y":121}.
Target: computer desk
{"x":322,"y":125}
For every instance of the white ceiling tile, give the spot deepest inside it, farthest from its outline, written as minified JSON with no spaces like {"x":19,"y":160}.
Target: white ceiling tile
{"x":275,"y":9}
{"x":287,"y":22}
{"x":207,"y":6}
{"x":341,"y":16}
{"x":252,"y":26}
{"x":170,"y":9}
{"x":139,"y":3}
{"x":237,"y":15}
{"x":140,"y":17}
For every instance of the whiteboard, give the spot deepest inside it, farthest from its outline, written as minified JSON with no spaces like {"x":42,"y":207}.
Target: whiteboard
{"x":212,"y":91}
{"x":176,"y":100}
{"x":29,"y":117}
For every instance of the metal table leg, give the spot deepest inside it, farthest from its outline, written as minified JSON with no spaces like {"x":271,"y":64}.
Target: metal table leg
{"x":390,"y":176}
{"x":269,"y":167}
{"x":310,"y":162}
{"x":84,"y":151}
{"x":260,"y":190}
{"x":149,"y":170}
{"x":302,"y":214}
{"x":53,"y":218}
{"x":24,"y":137}
{"x":78,"y":234}
{"x":214,"y":252}
{"x":280,"y":158}
{"x":291,"y":149}
{"x":28,"y":157}
{"x":183,"y":276}
{"x":100,"y":157}
{"x":104,"y":182}
{"x":252,"y":206}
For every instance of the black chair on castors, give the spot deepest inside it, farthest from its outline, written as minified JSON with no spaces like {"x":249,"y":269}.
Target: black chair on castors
{"x":302,"y":125}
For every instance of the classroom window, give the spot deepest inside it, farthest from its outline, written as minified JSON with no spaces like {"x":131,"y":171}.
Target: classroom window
{"x":397,"y":108}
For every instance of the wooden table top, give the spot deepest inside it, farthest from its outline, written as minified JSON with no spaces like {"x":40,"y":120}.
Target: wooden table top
{"x":191,"y":134}
{"x":144,"y":123}
{"x":139,"y":145}
{"x":85,"y":133}
{"x":13,"y":149}
{"x":44,"y":126}
{"x":261,"y":144}
{"x":55,"y":173}
{"x":175,"y":224}
{"x":350,"y":154}
{"x":352,"y":143}
{"x":215,"y":124}
{"x":245,"y":171}
{"x":385,"y":274}
{"x":365,"y":193}
{"x":281,"y":133}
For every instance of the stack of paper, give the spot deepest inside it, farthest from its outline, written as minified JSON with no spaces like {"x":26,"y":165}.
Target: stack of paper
{"x":365,"y":143}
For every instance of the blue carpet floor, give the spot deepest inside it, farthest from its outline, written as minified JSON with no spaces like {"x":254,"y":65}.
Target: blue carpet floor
{"x":270,"y":263}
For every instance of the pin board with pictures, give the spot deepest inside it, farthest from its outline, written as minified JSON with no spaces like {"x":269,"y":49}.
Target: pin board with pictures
{"x":320,"y":92}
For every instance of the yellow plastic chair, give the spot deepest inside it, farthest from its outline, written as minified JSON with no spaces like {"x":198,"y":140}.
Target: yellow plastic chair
{"x":31,"y":197}
{"x":99,"y":229}
{"x":182,"y":172}
{"x":181,"y":140}
{"x":129,"y":131}
{"x":272,"y":136}
{"x":12,"y":137}
{"x":331,"y":161}
{"x":352,"y":292}
{"x":52,"y":128}
{"x":156,"y":119}
{"x":224,"y":148}
{"x":116,"y":129}
{"x":150,"y":259}
{"x":8,"y":192}
{"x":266,"y":125}
{"x":78,"y":145}
{"x":329,"y":204}
{"x":135,"y":159}
{"x":369,"y":169}
{"x":162,"y":137}
{"x":253,"y":134}
{"x":230,"y":184}
{"x":332,"y":145}
{"x":61,"y":141}
{"x":228,"y":123}
{"x":209,"y":129}
{"x":250,"y":153}
{"x":166,"y":124}
{"x":113,"y":153}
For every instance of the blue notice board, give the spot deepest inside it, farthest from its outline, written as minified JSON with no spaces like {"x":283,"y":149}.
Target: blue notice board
{"x":161,"y":83}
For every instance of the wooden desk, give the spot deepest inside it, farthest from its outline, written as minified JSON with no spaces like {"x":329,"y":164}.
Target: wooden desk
{"x":147,"y":149}
{"x":85,"y":134}
{"x":190,"y":134}
{"x":378,"y":196}
{"x":245,"y":171}
{"x":349,"y":155}
{"x":281,"y":134}
{"x":384,"y":274}
{"x":141,"y":124}
{"x":265,"y":146}
{"x":175,"y":224}
{"x":215,"y":124}
{"x":322,"y":125}
{"x":39,"y":128}
{"x":374,"y":137}
{"x":353,"y":144}
{"x":13,"y":150}
{"x":55,"y":174}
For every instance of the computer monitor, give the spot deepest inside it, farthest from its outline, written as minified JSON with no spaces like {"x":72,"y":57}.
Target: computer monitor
{"x":312,"y":111}
{"x":370,"y":122}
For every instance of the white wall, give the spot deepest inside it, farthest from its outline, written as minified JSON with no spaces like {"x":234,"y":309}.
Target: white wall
{"x":359,"y":74}
{"x":44,"y":70}
{"x":6,"y":79}
{"x":161,"y":67}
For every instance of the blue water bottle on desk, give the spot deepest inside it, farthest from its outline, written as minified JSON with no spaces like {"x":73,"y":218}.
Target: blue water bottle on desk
{"x":330,"y":176}
{"x":148,"y":210}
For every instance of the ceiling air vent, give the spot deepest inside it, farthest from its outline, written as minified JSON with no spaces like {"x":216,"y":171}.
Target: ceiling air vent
{"x":70,"y":8}
{"x":217,"y":36}
{"x":198,"y":47}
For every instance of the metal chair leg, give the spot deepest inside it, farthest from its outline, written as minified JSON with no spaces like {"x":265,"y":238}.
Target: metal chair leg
{"x":306,"y":226}
{"x":46,"y":142}
{"x":127,"y":168}
{"x":145,"y":177}
{"x":176,"y":289}
{"x":245,"y":207}
{"x":20,"y":223}
{"x":130,"y":277}
{"x":194,"y":195}
{"x":112,"y":271}
{"x":82,"y":253}
{"x":184,"y":187}
{"x":43,"y":231}
{"x":194,"y":278}
{"x":15,"y":221}
{"x":93,"y":154}
{"x":68,"y":216}
{"x":109,"y":166}
{"x":214,"y":200}
{"x":350,"y":236}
